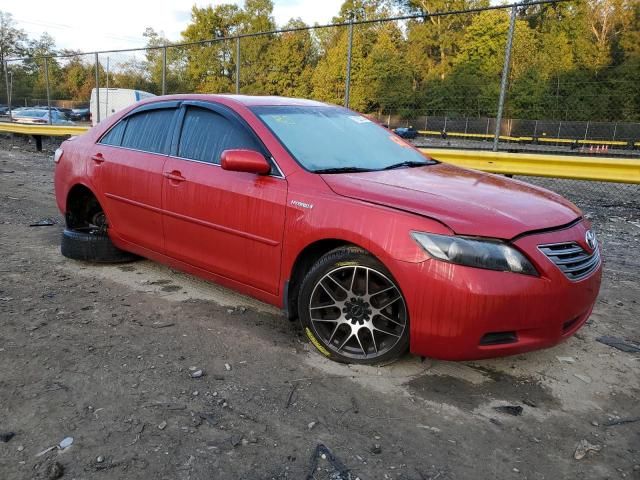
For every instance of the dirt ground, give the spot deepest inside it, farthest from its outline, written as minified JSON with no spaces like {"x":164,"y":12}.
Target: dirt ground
{"x":103,"y":354}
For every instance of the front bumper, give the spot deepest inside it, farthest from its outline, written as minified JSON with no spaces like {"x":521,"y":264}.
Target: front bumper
{"x":465,"y":313}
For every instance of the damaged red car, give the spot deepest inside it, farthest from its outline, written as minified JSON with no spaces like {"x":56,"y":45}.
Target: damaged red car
{"x":313,"y":208}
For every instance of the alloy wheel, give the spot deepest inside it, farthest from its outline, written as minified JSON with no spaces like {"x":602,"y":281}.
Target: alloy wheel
{"x":358,"y":312}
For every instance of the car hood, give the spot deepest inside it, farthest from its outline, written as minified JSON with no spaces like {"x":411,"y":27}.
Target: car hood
{"x":467,"y":201}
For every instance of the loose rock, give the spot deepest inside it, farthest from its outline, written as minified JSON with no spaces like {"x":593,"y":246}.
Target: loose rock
{"x":197,"y":374}
{"x":162,"y":425}
{"x":54,"y":471}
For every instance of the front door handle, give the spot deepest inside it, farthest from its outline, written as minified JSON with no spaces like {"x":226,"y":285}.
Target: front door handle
{"x":175,"y":175}
{"x":98,"y":158}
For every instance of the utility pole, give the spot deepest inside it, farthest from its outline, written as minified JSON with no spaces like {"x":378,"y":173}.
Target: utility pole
{"x":46,"y":79}
{"x":97,"y":88}
{"x":505,"y":76}
{"x":349,"y":55}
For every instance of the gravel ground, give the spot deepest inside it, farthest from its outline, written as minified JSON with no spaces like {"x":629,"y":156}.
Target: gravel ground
{"x":106,"y":354}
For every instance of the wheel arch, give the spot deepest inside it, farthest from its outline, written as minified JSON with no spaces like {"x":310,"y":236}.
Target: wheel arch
{"x":76,"y":201}
{"x":304,"y":260}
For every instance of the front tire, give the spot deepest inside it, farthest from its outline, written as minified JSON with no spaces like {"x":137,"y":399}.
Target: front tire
{"x":352,"y":310}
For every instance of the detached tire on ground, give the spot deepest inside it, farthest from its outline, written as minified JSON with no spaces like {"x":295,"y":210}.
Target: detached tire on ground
{"x":92,"y":245}
{"x":352,"y":310}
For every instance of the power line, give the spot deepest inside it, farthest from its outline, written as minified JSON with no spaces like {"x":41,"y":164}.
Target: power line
{"x":417,"y":16}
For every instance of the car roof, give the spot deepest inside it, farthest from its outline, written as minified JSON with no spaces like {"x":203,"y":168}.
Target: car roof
{"x":246,"y":100}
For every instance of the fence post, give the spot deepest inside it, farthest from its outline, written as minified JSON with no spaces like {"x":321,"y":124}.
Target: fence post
{"x":164,"y":70}
{"x":46,"y":79}
{"x":97,"y":89}
{"x":349,"y":47}
{"x":6,"y":79}
{"x":505,"y":75}
{"x":237,"y":65}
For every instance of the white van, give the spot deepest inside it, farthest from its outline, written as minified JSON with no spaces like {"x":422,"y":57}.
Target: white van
{"x":114,"y":99}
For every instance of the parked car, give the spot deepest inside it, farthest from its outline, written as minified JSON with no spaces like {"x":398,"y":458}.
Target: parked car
{"x":406,"y":132}
{"x":373,"y":246}
{"x":37,"y":116}
{"x":80,"y":115}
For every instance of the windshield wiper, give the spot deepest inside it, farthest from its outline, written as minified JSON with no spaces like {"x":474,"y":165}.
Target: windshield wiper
{"x":342,"y":170}
{"x":409,"y":164}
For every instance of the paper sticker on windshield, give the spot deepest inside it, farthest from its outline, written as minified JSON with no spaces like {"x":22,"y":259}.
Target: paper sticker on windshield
{"x":283,"y":119}
{"x":399,"y":141}
{"x":359,"y":119}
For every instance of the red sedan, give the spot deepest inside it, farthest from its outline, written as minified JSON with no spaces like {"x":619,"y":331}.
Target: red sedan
{"x":317,"y":210}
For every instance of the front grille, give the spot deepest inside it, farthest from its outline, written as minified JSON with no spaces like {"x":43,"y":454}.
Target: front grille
{"x":574,"y":261}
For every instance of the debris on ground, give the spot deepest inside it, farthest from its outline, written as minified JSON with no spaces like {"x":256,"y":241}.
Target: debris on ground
{"x":311,"y":425}
{"x":583,"y":448}
{"x":162,"y":425}
{"x":197,"y":373}
{"x":376,"y":449}
{"x":6,"y":437}
{"x":227,"y":367}
{"x":621,"y":421}
{"x":162,"y":324}
{"x":337,"y":470}
{"x":65,"y":443}
{"x":290,"y":397}
{"x":515,"y":410}
{"x":566,"y":359}
{"x":584,"y":378}
{"x":45,"y":222}
{"x":619,"y":343}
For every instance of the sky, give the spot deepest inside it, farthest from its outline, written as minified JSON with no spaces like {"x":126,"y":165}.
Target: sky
{"x":88,"y":25}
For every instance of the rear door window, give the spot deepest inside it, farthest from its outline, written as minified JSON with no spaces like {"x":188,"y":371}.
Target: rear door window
{"x":206,"y":134}
{"x":149,"y":131}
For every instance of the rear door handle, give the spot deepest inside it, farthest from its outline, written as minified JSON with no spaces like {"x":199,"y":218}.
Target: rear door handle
{"x":175,"y":176}
{"x":98,"y":158}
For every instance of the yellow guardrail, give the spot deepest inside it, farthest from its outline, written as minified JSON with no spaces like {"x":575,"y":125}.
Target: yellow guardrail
{"x":45,"y":130}
{"x":507,"y":138}
{"x":607,"y":169}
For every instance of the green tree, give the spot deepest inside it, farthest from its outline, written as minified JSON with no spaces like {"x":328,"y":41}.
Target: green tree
{"x":291,"y":58}
{"x":386,"y":75}
{"x":210,"y":67}
{"x":13,"y":41}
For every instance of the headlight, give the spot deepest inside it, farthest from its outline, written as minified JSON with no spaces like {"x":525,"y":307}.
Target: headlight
{"x":489,"y":254}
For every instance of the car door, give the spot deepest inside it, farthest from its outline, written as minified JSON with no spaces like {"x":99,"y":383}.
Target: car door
{"x":127,"y":168}
{"x":229,"y":223}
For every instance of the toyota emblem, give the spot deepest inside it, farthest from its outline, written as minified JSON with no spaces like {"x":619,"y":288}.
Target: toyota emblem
{"x":590,"y":238}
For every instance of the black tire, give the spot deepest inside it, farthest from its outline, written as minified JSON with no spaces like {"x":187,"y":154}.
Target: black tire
{"x":91,"y":245}
{"x":352,"y":310}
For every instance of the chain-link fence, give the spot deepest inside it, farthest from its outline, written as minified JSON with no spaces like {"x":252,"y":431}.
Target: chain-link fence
{"x":499,"y":77}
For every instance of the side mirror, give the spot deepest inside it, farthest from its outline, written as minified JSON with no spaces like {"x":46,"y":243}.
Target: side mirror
{"x":244,"y":161}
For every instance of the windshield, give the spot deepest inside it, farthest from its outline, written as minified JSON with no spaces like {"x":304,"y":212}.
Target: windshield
{"x":334,"y":138}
